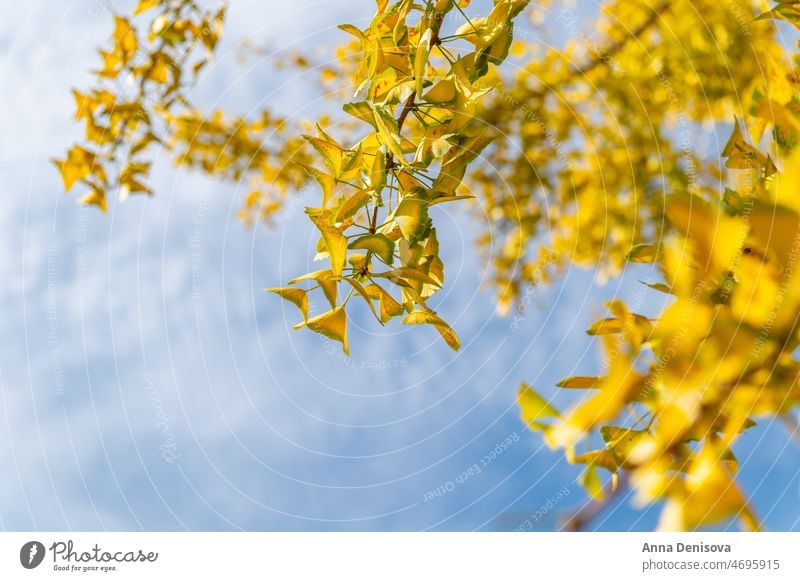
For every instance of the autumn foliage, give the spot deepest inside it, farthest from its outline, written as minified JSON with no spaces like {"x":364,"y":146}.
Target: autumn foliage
{"x":582,"y":155}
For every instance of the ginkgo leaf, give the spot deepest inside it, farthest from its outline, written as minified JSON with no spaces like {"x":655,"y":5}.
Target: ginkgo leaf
{"x":377,"y":179}
{"x":642,"y":253}
{"x":445,"y":199}
{"x":534,"y":407}
{"x":716,"y":238}
{"x":124,"y":36}
{"x":77,"y":166}
{"x":659,"y":286}
{"x":389,"y":133}
{"x":352,"y":204}
{"x":427,"y":318}
{"x":145,"y":5}
{"x":317,"y":275}
{"x":628,"y":445}
{"x":776,"y":230}
{"x":96,"y":197}
{"x":365,"y":295}
{"x":579,"y":382}
{"x":590,"y":480}
{"x":406,"y":273}
{"x":360,"y":110}
{"x":336,"y":244}
{"x":296,"y":296}
{"x":421,"y":60}
{"x":389,"y":308}
{"x":378,"y":244}
{"x":412,"y":217}
{"x":600,"y":458}
{"x":330,"y":151}
{"x":332,"y":325}
{"x":442,"y":92}
{"x":325,"y":181}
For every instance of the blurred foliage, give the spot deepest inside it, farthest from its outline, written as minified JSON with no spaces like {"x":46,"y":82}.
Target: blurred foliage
{"x":590,"y":146}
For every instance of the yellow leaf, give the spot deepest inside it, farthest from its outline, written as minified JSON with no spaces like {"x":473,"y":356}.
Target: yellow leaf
{"x":332,"y":325}
{"x":717,"y":239}
{"x":96,"y":197}
{"x":442,"y":92}
{"x":534,"y":407}
{"x":296,"y":296}
{"x":365,"y":295}
{"x":389,"y":308}
{"x":428,"y":318}
{"x":421,"y":60}
{"x":591,"y":482}
{"x":145,"y":5}
{"x":352,"y":204}
{"x":325,"y":181}
{"x":77,"y":166}
{"x":335,"y":242}
{"x":124,"y":36}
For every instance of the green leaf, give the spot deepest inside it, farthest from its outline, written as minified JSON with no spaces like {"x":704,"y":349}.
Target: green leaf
{"x":378,"y":244}
{"x":296,"y":296}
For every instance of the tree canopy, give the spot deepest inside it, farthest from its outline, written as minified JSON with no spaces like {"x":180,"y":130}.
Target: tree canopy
{"x":581,"y":149}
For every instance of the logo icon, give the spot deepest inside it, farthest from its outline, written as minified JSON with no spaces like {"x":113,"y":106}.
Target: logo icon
{"x":31,"y":554}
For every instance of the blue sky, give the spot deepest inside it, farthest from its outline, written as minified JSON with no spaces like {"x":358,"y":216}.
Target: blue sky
{"x":133,"y":397}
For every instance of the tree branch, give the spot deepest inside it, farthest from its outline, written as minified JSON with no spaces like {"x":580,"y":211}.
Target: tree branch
{"x":580,"y":519}
{"x":615,"y":48}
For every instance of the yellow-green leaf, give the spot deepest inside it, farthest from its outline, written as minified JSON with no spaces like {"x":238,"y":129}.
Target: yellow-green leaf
{"x":643,"y":253}
{"x":378,"y":244}
{"x":412,"y":217}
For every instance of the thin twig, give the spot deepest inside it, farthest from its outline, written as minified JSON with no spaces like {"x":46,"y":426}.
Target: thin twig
{"x":615,"y":48}
{"x":579,"y":520}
